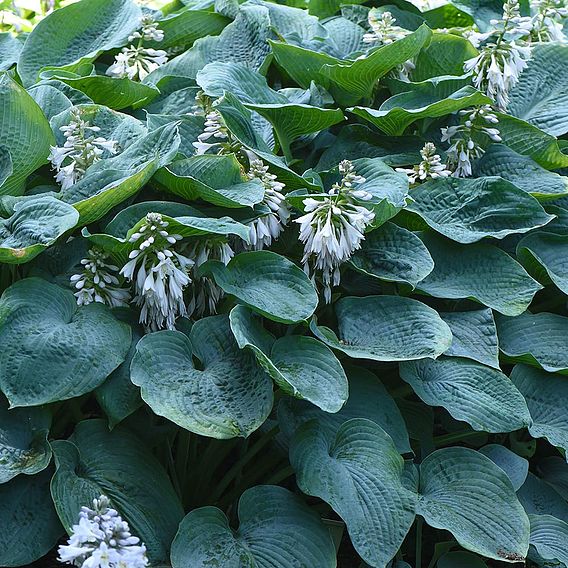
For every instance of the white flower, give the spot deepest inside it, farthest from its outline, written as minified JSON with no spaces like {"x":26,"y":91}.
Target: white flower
{"x":214,"y":134}
{"x":137,"y":62}
{"x":464,"y":138}
{"x":383,"y":29}
{"x":548,"y":20}
{"x":205,"y":294}
{"x":149,"y":30}
{"x":81,"y":149}
{"x":430,"y":167}
{"x":97,"y":283}
{"x":158,"y":273}
{"x":101,"y":539}
{"x":333,"y":227}
{"x":267,"y":228}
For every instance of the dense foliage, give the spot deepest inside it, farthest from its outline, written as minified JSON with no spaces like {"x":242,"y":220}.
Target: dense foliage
{"x":284,"y":284}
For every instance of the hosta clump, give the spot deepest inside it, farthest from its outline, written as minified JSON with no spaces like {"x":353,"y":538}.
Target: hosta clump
{"x":284,"y":284}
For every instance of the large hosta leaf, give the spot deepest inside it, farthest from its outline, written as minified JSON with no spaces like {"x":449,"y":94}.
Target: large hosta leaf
{"x":547,"y":397}
{"x":10,"y":49}
{"x":548,"y":251}
{"x":230,"y":396}
{"x":483,"y":397}
{"x":537,"y":339}
{"x":98,"y":25}
{"x":541,"y":95}
{"x":386,"y":328}
{"x":516,"y":467}
{"x":302,"y":366}
{"x":36,"y":223}
{"x":368,"y":398}
{"x":467,"y":210}
{"x":539,"y":498}
{"x":53,"y":349}
{"x":463,"y":491}
{"x":23,"y":441}
{"x":268,"y":283}
{"x":523,"y":171}
{"x":29,"y":527}
{"x":359,"y":472}
{"x":96,"y":462}
{"x":348,"y":81}
{"x":426,"y":100}
{"x":479,"y":271}
{"x":276,"y":530}
{"x":474,"y":336}
{"x":393,"y":254}
{"x":24,"y":132}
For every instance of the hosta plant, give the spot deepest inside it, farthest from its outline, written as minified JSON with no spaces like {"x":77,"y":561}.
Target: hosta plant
{"x":283,"y":285}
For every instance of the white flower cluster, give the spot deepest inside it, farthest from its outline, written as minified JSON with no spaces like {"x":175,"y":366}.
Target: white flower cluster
{"x":216,"y":130}
{"x":333,"y":227}
{"x":383,"y":28}
{"x":465,"y":137}
{"x":159,"y":274}
{"x":81,"y":149}
{"x":267,"y":228}
{"x":430,"y":167}
{"x":497,"y":67}
{"x":205,"y":294}
{"x":548,"y":20}
{"x":102,"y":539}
{"x":97,"y":282}
{"x":136,"y":61}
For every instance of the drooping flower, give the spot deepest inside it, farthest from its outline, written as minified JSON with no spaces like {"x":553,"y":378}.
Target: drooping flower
{"x":136,"y":61}
{"x":548,"y":20}
{"x":159,"y":274}
{"x":81,"y":149}
{"x":383,"y":28}
{"x":268,"y":227}
{"x":430,"y":167}
{"x":333,"y":227}
{"x":214,"y":135}
{"x":497,"y":67}
{"x":465,"y":138}
{"x":205,"y":294}
{"x":97,"y":281}
{"x":102,"y":539}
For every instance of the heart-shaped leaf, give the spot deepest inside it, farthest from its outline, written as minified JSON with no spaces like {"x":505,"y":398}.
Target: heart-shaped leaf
{"x":276,"y":530}
{"x":484,"y":398}
{"x":302,"y":366}
{"x":463,"y":491}
{"x":386,"y":328}
{"x":36,"y":223}
{"x":231,"y":396}
{"x":359,"y":472}
{"x":95,"y":462}
{"x":53,"y":349}
{"x":549,"y":536}
{"x":268,"y":283}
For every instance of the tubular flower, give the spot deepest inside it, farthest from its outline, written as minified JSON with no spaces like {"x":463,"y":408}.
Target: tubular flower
{"x":430,"y":167}
{"x":136,"y":61}
{"x":205,"y":294}
{"x":548,"y":20}
{"x":159,"y":274}
{"x":465,"y":137}
{"x":97,"y":282}
{"x":383,"y":28}
{"x":81,"y":149}
{"x":333,"y":227}
{"x":101,"y":539}
{"x":267,"y":228}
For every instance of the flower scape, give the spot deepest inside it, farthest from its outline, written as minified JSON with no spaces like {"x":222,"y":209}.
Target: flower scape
{"x":283,"y":284}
